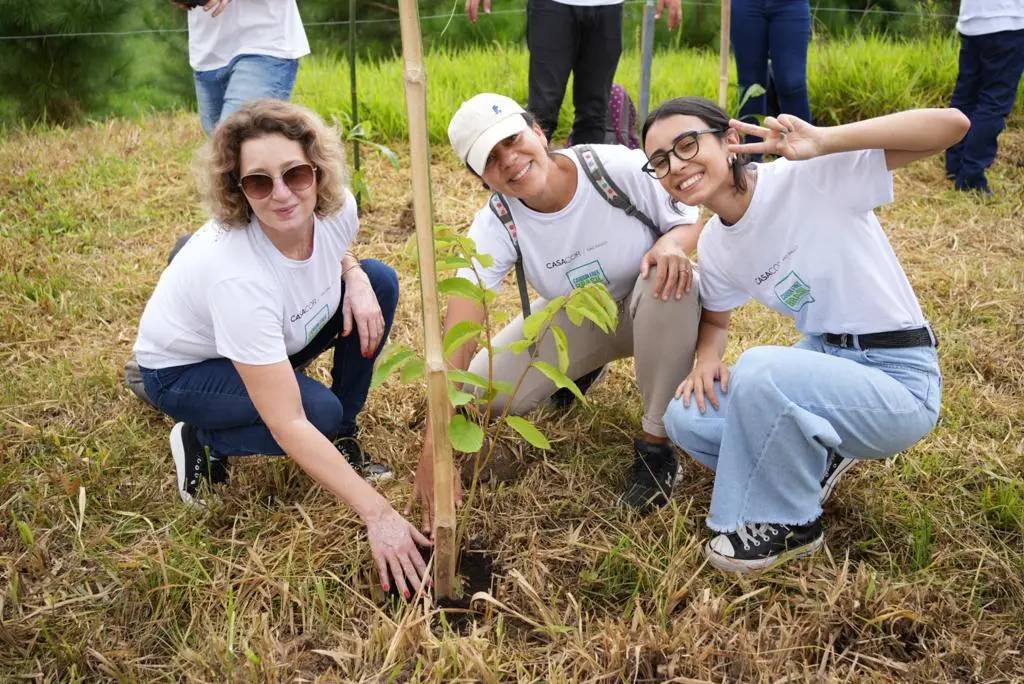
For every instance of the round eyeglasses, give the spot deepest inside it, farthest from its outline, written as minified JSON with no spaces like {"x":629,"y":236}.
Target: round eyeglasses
{"x":684,"y":148}
{"x":258,"y":186}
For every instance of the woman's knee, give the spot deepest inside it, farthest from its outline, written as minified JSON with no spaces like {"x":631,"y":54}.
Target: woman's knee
{"x":682,"y":423}
{"x":323,"y":410}
{"x":384,"y":281}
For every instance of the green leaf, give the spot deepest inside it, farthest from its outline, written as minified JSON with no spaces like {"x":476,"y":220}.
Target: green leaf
{"x":519,"y":346}
{"x":503,"y":386}
{"x":451,"y":263}
{"x":391,"y":359}
{"x":467,"y":378}
{"x":486,"y":260}
{"x":529,"y":431}
{"x":558,"y":377}
{"x":755,"y":90}
{"x":465,"y":435}
{"x":562,"y":345}
{"x":457,"y":397}
{"x":461,"y":287}
{"x":459,"y":334}
{"x":413,"y":370}
{"x":533,"y":324}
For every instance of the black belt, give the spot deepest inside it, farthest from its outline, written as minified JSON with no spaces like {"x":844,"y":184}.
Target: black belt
{"x":915,"y":337}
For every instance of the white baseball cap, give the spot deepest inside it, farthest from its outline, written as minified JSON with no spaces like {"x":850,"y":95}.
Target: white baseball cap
{"x":482,"y":122}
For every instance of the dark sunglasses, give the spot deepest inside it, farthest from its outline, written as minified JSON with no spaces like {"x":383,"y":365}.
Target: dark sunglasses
{"x":258,"y":186}
{"x":684,"y":148}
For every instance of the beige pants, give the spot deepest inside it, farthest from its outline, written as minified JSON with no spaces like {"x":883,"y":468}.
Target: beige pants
{"x":660,"y":335}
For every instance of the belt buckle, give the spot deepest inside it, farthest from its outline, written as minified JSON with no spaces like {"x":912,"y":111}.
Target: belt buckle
{"x":844,"y":340}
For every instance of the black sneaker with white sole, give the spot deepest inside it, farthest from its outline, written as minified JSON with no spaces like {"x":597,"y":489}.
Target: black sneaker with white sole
{"x":834,"y":469}
{"x":759,"y":546}
{"x":563,"y":398}
{"x":361,"y":462}
{"x":194,"y":463}
{"x":654,"y":474}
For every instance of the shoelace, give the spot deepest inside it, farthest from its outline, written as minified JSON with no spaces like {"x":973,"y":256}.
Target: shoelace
{"x":755,"y":533}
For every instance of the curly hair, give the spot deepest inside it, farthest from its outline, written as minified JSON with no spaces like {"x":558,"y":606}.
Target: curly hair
{"x":217,"y":164}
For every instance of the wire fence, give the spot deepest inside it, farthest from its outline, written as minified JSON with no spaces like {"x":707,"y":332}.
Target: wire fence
{"x":455,"y":16}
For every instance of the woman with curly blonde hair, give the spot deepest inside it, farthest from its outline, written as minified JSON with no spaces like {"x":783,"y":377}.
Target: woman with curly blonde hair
{"x":264,"y":287}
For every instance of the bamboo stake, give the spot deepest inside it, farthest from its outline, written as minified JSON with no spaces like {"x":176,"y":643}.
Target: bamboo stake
{"x":646,"y":57}
{"x":437,"y":380}
{"x":723,"y":56}
{"x":353,"y":91}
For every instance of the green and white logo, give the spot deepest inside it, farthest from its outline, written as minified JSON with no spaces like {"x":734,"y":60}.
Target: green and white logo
{"x":793,"y":292}
{"x":590,"y":272}
{"x":314,"y":324}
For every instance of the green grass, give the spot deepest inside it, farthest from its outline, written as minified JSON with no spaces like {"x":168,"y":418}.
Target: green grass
{"x":922,"y":576}
{"x":848,"y":80}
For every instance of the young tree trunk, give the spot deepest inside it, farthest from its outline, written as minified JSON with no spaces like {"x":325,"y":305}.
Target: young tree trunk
{"x":437,"y":381}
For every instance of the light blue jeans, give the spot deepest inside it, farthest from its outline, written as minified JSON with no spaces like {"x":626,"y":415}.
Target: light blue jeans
{"x":246,"y":77}
{"x":786,"y":406}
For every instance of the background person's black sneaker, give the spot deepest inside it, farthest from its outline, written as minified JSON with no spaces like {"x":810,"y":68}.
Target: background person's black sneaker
{"x":194,"y":464}
{"x":834,"y":469}
{"x":563,"y":398}
{"x":755,"y":547}
{"x":654,"y":474}
{"x":370,"y":470}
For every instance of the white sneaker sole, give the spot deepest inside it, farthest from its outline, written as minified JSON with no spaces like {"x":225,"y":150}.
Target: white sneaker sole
{"x":178,"y":453}
{"x":726,"y":564}
{"x":830,"y":484}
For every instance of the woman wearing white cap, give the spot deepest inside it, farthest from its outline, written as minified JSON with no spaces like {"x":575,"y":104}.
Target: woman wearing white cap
{"x":570,"y":234}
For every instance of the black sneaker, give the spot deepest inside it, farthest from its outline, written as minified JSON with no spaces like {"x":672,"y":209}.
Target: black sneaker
{"x":755,"y":547}
{"x":563,"y":398}
{"x":655,"y":471}
{"x":834,"y":469}
{"x":370,"y":470}
{"x":193,"y":463}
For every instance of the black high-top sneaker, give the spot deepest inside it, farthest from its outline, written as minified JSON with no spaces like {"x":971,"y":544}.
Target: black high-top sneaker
{"x":361,"y":462}
{"x":759,"y":546}
{"x":654,"y":474}
{"x":563,"y":398}
{"x":194,"y":463}
{"x":834,"y":469}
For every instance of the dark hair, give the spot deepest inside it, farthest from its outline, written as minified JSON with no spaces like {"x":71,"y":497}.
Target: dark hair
{"x":708,"y":112}
{"x":530,"y":120}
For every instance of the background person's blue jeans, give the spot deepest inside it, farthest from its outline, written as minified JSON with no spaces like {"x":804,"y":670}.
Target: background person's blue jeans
{"x":786,"y":406}
{"x":211,"y":396}
{"x":986,"y":87}
{"x":246,"y":77}
{"x":779,"y":30}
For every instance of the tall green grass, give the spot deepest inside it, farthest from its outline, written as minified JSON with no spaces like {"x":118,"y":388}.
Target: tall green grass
{"x":848,"y":80}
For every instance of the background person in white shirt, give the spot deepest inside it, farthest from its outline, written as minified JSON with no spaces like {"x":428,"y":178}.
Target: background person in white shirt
{"x":799,"y":235}
{"x":264,"y":287}
{"x":570,"y":235}
{"x":991,"y":62}
{"x":242,"y":50}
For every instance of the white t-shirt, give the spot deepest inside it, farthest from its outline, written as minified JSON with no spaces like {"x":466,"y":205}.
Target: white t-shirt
{"x":588,"y":240}
{"x":229,"y":293}
{"x":589,"y":3}
{"x":978,"y":17}
{"x":245,"y":27}
{"x":810,"y":247}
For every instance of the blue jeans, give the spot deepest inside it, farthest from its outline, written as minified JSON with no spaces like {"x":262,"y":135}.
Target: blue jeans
{"x":211,"y":396}
{"x":786,"y":406}
{"x":776,"y":29}
{"x":246,"y":77}
{"x":986,"y":87}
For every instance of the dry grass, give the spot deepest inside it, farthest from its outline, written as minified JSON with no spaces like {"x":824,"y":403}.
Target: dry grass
{"x":106,"y":576}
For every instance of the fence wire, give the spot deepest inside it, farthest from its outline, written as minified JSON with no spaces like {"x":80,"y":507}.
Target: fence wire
{"x":452,"y":16}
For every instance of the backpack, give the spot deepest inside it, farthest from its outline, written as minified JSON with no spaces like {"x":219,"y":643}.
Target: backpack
{"x":620,"y":123}
{"x":604,"y":184}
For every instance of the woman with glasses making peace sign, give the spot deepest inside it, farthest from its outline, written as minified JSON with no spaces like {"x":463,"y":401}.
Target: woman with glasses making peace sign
{"x":267,"y":285}
{"x":800,"y":235}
